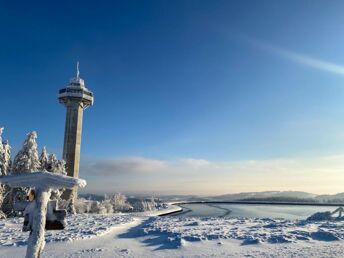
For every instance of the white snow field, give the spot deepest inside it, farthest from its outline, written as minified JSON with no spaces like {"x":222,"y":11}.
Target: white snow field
{"x":146,"y":235}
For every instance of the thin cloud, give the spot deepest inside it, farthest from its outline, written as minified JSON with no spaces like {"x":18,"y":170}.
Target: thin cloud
{"x":126,"y":165}
{"x":298,"y":57}
{"x":198,"y":176}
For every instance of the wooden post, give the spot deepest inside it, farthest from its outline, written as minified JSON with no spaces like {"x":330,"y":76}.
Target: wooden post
{"x":36,"y":238}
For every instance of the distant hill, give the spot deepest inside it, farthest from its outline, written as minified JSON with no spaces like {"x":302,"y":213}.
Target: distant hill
{"x":269,"y":196}
{"x":280,"y":196}
{"x":335,"y":198}
{"x":263,"y":195}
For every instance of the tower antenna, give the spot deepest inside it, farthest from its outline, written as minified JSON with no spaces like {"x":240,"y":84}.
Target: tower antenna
{"x":77,"y":70}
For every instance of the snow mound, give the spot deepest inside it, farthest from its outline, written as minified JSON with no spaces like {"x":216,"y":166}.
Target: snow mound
{"x":324,"y":236}
{"x":81,"y":226}
{"x":327,"y":215}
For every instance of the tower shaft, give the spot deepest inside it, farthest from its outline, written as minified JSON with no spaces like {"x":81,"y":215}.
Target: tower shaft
{"x":72,"y":138}
{"x":72,"y":143}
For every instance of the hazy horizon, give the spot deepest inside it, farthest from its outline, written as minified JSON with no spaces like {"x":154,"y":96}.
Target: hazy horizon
{"x":186,"y":176}
{"x":162,"y":194}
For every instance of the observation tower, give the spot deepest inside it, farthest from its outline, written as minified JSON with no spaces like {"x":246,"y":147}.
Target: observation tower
{"x":75,"y":97}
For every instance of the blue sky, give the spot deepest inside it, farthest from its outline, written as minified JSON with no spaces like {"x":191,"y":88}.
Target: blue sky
{"x":217,"y":82}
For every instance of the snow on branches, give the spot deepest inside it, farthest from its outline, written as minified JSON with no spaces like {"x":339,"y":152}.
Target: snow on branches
{"x":5,"y":165}
{"x":27,"y":158}
{"x":5,"y":155}
{"x":43,"y":159}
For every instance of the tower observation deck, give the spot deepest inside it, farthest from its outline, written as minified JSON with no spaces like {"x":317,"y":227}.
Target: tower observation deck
{"x":76,"y":97}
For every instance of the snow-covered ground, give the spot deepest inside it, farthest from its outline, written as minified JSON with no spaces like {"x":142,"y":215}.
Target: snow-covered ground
{"x":80,"y":226}
{"x":247,"y":231}
{"x":150,"y":236}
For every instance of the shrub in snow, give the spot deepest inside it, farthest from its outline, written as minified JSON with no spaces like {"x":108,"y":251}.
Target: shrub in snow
{"x":74,"y":205}
{"x":140,"y":205}
{"x":99,"y":208}
{"x":106,"y":207}
{"x":85,"y":206}
{"x":120,"y":203}
{"x":89,"y":206}
{"x":116,"y":203}
{"x":80,"y":205}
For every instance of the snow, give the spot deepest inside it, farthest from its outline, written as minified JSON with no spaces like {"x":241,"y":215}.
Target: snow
{"x":152,"y":213}
{"x":327,"y":215}
{"x":43,"y":179}
{"x":147,"y":235}
{"x":81,"y":226}
{"x":248,"y":231}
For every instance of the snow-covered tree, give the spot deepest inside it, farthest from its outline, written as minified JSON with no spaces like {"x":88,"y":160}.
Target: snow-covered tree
{"x":2,"y":187}
{"x":5,"y":165}
{"x":2,"y":153}
{"x":53,"y":165}
{"x":44,"y":159}
{"x":7,"y":157}
{"x":25,"y":161}
{"x":116,"y":203}
{"x":120,"y":203}
{"x":61,"y":167}
{"x":107,"y":206}
{"x":152,"y":202}
{"x":27,"y":158}
{"x":144,"y":204}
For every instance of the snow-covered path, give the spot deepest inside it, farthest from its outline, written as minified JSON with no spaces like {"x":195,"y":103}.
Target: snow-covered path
{"x":98,"y":246}
{"x":144,"y":236}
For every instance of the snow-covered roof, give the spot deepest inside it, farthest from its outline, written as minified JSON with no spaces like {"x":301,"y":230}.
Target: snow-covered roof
{"x":42,"y":180}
